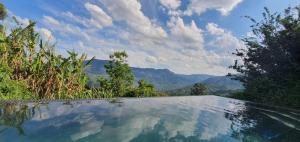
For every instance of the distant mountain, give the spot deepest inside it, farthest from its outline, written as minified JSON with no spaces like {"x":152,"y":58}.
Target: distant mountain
{"x":96,"y":68}
{"x":218,"y":85}
{"x":163,"y":79}
{"x":168,"y":81}
{"x":222,"y":83}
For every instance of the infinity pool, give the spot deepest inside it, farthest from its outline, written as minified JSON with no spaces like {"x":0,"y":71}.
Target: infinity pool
{"x":174,"y":119}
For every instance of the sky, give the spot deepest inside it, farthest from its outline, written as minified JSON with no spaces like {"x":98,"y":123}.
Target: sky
{"x":184,"y":36}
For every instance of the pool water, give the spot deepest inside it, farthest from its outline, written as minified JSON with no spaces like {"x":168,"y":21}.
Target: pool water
{"x":174,"y":119}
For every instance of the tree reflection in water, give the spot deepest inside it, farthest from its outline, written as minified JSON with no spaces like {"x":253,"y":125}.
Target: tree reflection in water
{"x":258,"y":123}
{"x":14,"y":115}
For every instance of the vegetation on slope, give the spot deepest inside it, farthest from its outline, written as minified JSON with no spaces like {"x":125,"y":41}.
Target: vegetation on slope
{"x":219,"y":85}
{"x":162,"y":79}
{"x":270,"y":65}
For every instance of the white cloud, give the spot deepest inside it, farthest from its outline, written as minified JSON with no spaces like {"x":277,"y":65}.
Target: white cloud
{"x":46,"y":34}
{"x":188,"y":34}
{"x":171,"y":4}
{"x":224,"y":41}
{"x":130,"y":11}
{"x":22,"y":20}
{"x":151,"y":59}
{"x":201,"y":6}
{"x":69,"y":16}
{"x":98,"y":20}
{"x":180,"y":46}
{"x":64,"y":29}
{"x":99,"y":17}
{"x":50,"y":20}
{"x":214,"y":29}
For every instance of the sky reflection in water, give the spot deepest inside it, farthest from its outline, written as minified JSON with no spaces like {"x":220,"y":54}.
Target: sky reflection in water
{"x":206,"y":118}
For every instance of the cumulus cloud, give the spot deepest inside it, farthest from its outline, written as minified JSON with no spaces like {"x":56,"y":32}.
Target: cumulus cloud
{"x":130,"y":11}
{"x":188,"y":34}
{"x":214,"y":29}
{"x":223,"y":44}
{"x":98,"y":20}
{"x":224,"y":41}
{"x":171,"y":4}
{"x":51,"y":20}
{"x":179,"y":45}
{"x":201,"y":6}
{"x":64,"y":29}
{"x":151,"y":59}
{"x":69,"y":16}
{"x":46,"y":34}
{"x":99,"y":17}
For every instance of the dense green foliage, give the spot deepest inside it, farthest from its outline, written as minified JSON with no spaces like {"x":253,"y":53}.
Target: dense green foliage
{"x":145,"y":89}
{"x":12,"y":89}
{"x":30,"y":69}
{"x":270,"y":67}
{"x":199,"y":89}
{"x":120,"y":80}
{"x":3,"y":12}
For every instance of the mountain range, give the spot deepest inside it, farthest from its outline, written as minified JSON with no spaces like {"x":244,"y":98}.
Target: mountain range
{"x":219,"y":85}
{"x":165,"y":80}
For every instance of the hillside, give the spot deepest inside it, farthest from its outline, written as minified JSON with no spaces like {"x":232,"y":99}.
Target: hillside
{"x":163,"y":79}
{"x":219,"y":85}
{"x":170,"y":82}
{"x":222,"y":83}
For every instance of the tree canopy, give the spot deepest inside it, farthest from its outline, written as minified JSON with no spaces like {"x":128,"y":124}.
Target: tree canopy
{"x":120,"y":75}
{"x":120,"y":80}
{"x":3,"y":12}
{"x":270,"y":65}
{"x":198,"y":89}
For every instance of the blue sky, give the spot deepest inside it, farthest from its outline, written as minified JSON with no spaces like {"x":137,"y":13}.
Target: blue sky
{"x":185,"y":36}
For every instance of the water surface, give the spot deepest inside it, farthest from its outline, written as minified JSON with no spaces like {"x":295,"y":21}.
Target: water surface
{"x":174,"y":119}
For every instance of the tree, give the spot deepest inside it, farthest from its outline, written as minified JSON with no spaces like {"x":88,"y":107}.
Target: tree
{"x":270,"y":65}
{"x":120,"y":79}
{"x":198,"y":89}
{"x":3,"y":12}
{"x":145,"y":89}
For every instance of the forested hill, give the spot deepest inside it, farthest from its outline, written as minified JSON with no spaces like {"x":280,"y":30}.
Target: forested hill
{"x":219,"y":85}
{"x":164,"y":79}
